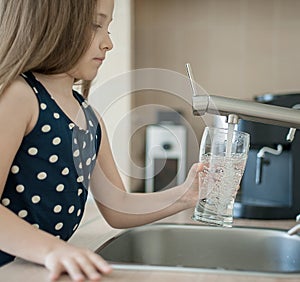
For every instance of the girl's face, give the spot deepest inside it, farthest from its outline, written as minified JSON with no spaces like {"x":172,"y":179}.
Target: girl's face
{"x":89,"y":63}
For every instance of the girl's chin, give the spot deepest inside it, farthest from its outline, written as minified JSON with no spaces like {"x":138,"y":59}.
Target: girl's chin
{"x":84,"y":75}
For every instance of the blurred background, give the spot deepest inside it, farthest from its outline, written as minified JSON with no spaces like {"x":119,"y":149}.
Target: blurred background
{"x":237,"y":48}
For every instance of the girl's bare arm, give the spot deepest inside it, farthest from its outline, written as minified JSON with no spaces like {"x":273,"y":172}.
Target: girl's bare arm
{"x":122,"y":209}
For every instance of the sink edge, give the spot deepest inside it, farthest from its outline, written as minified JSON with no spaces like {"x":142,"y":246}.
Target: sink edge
{"x":137,"y":267}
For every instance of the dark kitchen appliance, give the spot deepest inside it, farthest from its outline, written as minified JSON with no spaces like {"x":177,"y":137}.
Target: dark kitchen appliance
{"x":270,"y":187}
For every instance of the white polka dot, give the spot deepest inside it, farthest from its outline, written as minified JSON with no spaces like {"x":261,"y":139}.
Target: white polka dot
{"x":57,"y":208}
{"x":91,"y":137}
{"x":79,"y":212}
{"x":20,"y":188}
{"x":35,"y":199}
{"x":42,"y":175}
{"x":56,"y":141}
{"x":5,"y":201}
{"x":79,"y":191}
{"x":89,"y":176}
{"x":32,"y":151}
{"x":80,"y":178}
{"x":65,"y":171}
{"x":35,"y":225}
{"x":85,"y":104}
{"x":59,"y":226}
{"x":83,"y":144}
{"x":75,"y":227}
{"x":71,"y":209}
{"x":76,"y":153}
{"x":71,"y":125}
{"x":56,"y":115}
{"x":15,"y":169}
{"x":75,"y":141}
{"x":88,"y":161}
{"x":43,"y":106}
{"x":60,"y":187}
{"x":94,"y":157}
{"x":80,"y":165}
{"x":22,"y":213}
{"x":57,"y":236}
{"x":53,"y":159}
{"x":91,"y":123}
{"x":46,"y":128}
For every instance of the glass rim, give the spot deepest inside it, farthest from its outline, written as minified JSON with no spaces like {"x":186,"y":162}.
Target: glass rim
{"x":223,"y":130}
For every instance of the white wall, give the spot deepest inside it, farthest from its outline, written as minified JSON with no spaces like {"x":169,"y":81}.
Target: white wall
{"x":108,"y":100}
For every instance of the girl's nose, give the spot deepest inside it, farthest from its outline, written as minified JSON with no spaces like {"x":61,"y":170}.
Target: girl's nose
{"x":107,"y":43}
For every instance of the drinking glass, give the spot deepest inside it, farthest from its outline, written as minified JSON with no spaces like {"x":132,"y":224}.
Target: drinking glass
{"x":223,"y":153}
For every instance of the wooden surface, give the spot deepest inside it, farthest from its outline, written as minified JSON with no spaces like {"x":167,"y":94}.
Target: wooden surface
{"x":93,"y":231}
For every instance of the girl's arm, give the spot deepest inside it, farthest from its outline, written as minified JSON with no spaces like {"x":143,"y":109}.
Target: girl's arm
{"x":19,"y":238}
{"x":18,"y":114}
{"x":124,"y":210}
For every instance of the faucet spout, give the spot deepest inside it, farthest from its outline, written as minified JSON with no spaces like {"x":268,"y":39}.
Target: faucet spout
{"x":247,"y":110}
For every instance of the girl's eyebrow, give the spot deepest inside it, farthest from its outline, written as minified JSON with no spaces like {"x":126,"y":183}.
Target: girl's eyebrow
{"x":104,"y":16}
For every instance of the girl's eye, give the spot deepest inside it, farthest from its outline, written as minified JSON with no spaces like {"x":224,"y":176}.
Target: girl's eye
{"x":99,"y":26}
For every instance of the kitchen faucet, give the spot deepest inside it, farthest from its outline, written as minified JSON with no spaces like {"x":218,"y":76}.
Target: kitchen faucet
{"x":235,"y":109}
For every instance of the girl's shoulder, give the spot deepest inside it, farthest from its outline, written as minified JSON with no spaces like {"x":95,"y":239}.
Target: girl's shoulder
{"x":19,"y":100}
{"x":18,"y":90}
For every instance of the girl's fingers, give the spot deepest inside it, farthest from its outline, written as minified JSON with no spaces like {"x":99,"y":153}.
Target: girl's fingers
{"x":90,"y":265}
{"x":89,"y":269}
{"x":74,"y":271}
{"x":196,"y":168}
{"x":56,"y":272}
{"x":79,"y":264}
{"x":100,"y":263}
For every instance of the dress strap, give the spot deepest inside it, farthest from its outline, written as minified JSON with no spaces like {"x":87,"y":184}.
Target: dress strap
{"x":31,"y":80}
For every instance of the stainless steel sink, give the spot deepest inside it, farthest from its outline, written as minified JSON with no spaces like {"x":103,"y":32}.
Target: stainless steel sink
{"x":195,"y":247}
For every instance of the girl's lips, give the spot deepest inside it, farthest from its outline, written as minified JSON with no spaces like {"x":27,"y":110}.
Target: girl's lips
{"x":99,"y":59}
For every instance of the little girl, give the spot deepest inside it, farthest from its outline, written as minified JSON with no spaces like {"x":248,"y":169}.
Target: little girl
{"x":53,"y":145}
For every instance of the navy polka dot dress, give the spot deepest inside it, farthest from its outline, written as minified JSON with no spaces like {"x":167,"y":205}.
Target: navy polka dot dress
{"x":48,"y":181}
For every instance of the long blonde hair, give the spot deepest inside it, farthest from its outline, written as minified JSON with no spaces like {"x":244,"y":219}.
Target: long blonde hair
{"x":45,"y":36}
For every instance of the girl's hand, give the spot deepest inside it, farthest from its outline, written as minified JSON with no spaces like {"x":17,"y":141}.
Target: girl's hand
{"x":192,"y":185}
{"x":79,"y":263}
